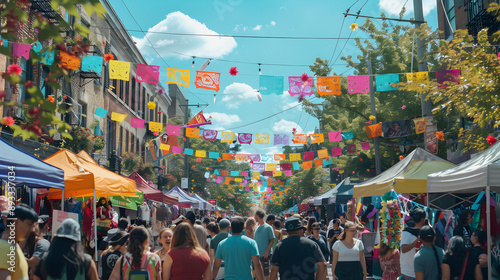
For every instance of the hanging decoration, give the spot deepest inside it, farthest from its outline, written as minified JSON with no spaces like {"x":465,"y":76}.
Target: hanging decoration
{"x":420,"y":125}
{"x":374,"y":130}
{"x":328,"y":85}
{"x":390,"y":220}
{"x":68,"y":61}
{"x":245,"y":138}
{"x":262,"y":139}
{"x":148,"y":74}
{"x":92,"y":63}
{"x":271,"y":85}
{"x":418,"y":77}
{"x":299,"y":87}
{"x":358,"y":84}
{"x":178,"y":76}
{"x":491,"y":139}
{"x":151,"y":105}
{"x":233,"y":71}
{"x":387,"y":82}
{"x":108,"y":57}
{"x":207,"y":80}
{"x":22,"y":50}
{"x":210,"y":135}
{"x":119,"y":70}
{"x":440,"y":135}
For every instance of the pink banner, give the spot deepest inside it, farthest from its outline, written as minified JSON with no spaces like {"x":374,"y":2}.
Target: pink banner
{"x":148,"y":74}
{"x":351,"y":148}
{"x":245,"y":138}
{"x":308,"y":156}
{"x":210,"y":135}
{"x":448,"y":76}
{"x":244,"y":174}
{"x":285,"y":166}
{"x":247,"y":189}
{"x":336,"y":152}
{"x":254,"y":158}
{"x":173,"y":129}
{"x":177,"y":150}
{"x":358,"y":84}
{"x":365,"y":146}
{"x":297,"y":86}
{"x":21,"y":50}
{"x":288,"y":172}
{"x":137,"y":123}
{"x":335,"y":136}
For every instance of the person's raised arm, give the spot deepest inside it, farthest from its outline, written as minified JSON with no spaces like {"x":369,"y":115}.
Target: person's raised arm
{"x":405,"y":248}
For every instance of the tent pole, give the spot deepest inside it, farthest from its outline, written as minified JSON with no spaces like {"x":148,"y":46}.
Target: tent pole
{"x":95,"y":229}
{"x":62,"y":201}
{"x":488,"y":229}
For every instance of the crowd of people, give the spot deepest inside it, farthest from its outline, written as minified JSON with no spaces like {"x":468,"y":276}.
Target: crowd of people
{"x":258,"y":247}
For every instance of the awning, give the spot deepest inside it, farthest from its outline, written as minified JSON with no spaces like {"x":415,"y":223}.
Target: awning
{"x":406,"y":176}
{"x":203,"y":205}
{"x":182,"y":196}
{"x":128,"y":202}
{"x":150,"y":192}
{"x":330,"y":197}
{"x":20,"y":167}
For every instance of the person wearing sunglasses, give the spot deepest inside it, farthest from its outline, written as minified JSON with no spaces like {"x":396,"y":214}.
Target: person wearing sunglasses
{"x":348,"y":258}
{"x":322,"y":243}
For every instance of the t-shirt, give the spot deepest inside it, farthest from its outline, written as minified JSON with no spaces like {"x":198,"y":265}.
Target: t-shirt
{"x":188,"y":264}
{"x":217,"y":239}
{"x":201,"y":235}
{"x":346,"y":254}
{"x":425,"y":261}
{"x":479,"y":251}
{"x":296,"y":258}
{"x":18,"y":269}
{"x":237,"y":251}
{"x":41,"y":247}
{"x":323,"y":245}
{"x":262,"y":235}
{"x":150,"y":262}
{"x":79,"y":274}
{"x":406,"y":259}
{"x":108,"y":262}
{"x":465,"y":232}
{"x":332,"y":232}
{"x":145,"y":212}
{"x":456,"y":263}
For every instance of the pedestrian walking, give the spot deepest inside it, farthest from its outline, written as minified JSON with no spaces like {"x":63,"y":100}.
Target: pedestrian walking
{"x":164,"y":238}
{"x":320,"y":240}
{"x":310,"y":222}
{"x":250,"y":226}
{"x":264,"y":236}
{"x":460,"y":262}
{"x":334,"y":231}
{"x":138,"y":262}
{"x":410,"y":243}
{"x":463,"y":228}
{"x":186,"y":258}
{"x":20,"y":223}
{"x":348,"y":258}
{"x":238,"y":253}
{"x":389,"y":262}
{"x":65,"y":258}
{"x":111,"y":255}
{"x":427,"y":261}
{"x":277,"y":233}
{"x":224,"y":227}
{"x":478,"y":240}
{"x":297,"y":257}
{"x":38,"y":245}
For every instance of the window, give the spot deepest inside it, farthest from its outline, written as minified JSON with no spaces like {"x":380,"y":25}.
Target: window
{"x":151,"y":115}
{"x":450,"y":14}
{"x":110,"y":136}
{"x":121,"y":90}
{"x":83,"y":117}
{"x":132,"y":143}
{"x":127,"y":89}
{"x":120,"y":141}
{"x":114,"y":84}
{"x":164,"y":119}
{"x":144,"y":103}
{"x":132,"y":101}
{"x":126,"y":141}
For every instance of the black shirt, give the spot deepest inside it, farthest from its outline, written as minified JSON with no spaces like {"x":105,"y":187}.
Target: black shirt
{"x":479,"y":251}
{"x":108,"y":262}
{"x":331,"y":233}
{"x":465,"y":232}
{"x":456,"y":264}
{"x":296,"y":257}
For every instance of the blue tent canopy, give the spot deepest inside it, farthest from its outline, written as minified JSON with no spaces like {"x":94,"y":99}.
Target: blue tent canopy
{"x":28,"y":169}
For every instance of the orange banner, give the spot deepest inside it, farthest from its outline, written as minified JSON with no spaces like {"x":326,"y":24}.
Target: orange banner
{"x":279,"y":157}
{"x":374,"y":130}
{"x":307,"y":164}
{"x":228,"y":156}
{"x":207,"y":80}
{"x":299,"y":139}
{"x":317,"y":138}
{"x":68,"y":61}
{"x":318,"y":162}
{"x":323,"y":153}
{"x":328,"y":85}
{"x":192,"y":132}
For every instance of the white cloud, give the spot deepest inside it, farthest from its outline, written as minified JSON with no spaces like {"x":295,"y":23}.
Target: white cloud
{"x":288,"y":101}
{"x":239,"y":93}
{"x":257,"y":27}
{"x":220,"y":121}
{"x":393,"y":7}
{"x":201,"y":46}
{"x":286,"y":127}
{"x":273,"y":23}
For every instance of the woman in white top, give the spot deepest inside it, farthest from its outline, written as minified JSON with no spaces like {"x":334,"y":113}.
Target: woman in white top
{"x":348,"y":261}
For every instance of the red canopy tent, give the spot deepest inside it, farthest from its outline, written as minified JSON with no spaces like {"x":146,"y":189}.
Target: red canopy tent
{"x":150,"y":192}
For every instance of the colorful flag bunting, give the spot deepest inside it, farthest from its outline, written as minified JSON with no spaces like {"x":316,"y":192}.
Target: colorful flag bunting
{"x":100,"y":112}
{"x":298,"y":87}
{"x":271,"y":167}
{"x":271,"y":85}
{"x":178,"y":76}
{"x":281,"y":139}
{"x":318,"y":162}
{"x":308,"y":156}
{"x":207,"y":80}
{"x":288,"y":172}
{"x":358,"y":84}
{"x":418,"y":77}
{"x":336,"y":152}
{"x":227,"y":137}
{"x":119,"y":70}
{"x":448,"y":76}
{"x":177,"y":150}
{"x":137,"y":123}
{"x":387,"y":82}
{"x":213,"y":155}
{"x":200,"y":154}
{"x":188,"y":151}
{"x":259,"y":166}
{"x":307,"y":164}
{"x":118,"y":117}
{"x":317,"y":138}
{"x":323,"y":153}
{"x":92,"y":63}
{"x":420,"y":125}
{"x":347,"y":135}
{"x":300,"y":139}
{"x":227,"y":156}
{"x":174,"y":130}
{"x":210,"y":135}
{"x":285,"y":166}
{"x":351,"y":148}
{"x":374,"y":130}
{"x":22,"y":50}
{"x":295,"y":157}
{"x":279,"y":157}
{"x":335,"y":136}
{"x":328,"y":85}
{"x":245,"y":138}
{"x":365,"y":146}
{"x":261,"y":139}
{"x":48,"y":57}
{"x":148,"y":74}
{"x":295,"y":165}
{"x":192,"y":132}
{"x":68,"y":61}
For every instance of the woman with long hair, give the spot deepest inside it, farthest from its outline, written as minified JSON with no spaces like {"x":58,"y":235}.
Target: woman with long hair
{"x":164,"y":238}
{"x":138,"y":260}
{"x":186,"y":259}
{"x":250,"y":227}
{"x":65,"y":258}
{"x":478,"y":240}
{"x":111,"y":255}
{"x":309,"y":228}
{"x":389,"y":261}
{"x":348,"y":258}
{"x":459,"y":262}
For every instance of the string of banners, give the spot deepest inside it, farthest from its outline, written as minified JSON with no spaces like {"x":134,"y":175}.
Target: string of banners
{"x":298,"y":85}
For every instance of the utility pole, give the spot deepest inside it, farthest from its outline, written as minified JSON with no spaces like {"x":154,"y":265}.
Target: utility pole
{"x":422,"y":63}
{"x":374,"y":113}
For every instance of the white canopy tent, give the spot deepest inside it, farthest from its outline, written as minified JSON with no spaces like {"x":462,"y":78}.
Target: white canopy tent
{"x":475,"y":175}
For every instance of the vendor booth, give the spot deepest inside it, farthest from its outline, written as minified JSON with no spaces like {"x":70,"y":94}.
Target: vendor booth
{"x":203,"y":204}
{"x":184,"y":199}
{"x":150,"y":192}
{"x":407,"y":176}
{"x":481,"y":173}
{"x":332,"y":196}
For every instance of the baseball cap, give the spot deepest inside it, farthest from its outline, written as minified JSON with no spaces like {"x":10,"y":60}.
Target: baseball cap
{"x":43,"y":219}
{"x":178,"y":220}
{"x":224,"y":223}
{"x":70,"y":229}
{"x":427,"y":232}
{"x":23,"y":212}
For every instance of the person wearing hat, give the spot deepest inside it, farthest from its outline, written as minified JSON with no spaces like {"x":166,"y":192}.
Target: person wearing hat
{"x":21,"y":221}
{"x":65,"y":258}
{"x":224,"y":227}
{"x":428,"y":259}
{"x":103,"y":245}
{"x":410,"y":243}
{"x":238,"y":253}
{"x":111,"y":255}
{"x":296,"y":256}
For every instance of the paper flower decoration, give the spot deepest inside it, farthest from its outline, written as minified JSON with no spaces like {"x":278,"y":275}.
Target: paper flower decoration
{"x":304,"y":77}
{"x":155,"y":133}
{"x":401,"y":157}
{"x":8,"y":121}
{"x":159,"y":112}
{"x":233,"y":71}
{"x":198,"y":159}
{"x":294,"y":130}
{"x":151,"y":105}
{"x":108,"y":57}
{"x":51,"y":99}
{"x":440,"y":135}
{"x":14,"y":69}
{"x":354,"y":26}
{"x":160,"y":90}
{"x":491,"y":139}
{"x":403,"y":107}
{"x":371,"y":117}
{"x":369,"y":122}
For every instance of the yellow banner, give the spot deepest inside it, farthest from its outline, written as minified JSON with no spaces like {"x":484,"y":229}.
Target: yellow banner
{"x":277,"y":173}
{"x":271,"y":167}
{"x":155,"y":126}
{"x":295,"y":157}
{"x":227,"y":137}
{"x":178,"y":76}
{"x":420,"y":125}
{"x":119,"y":70}
{"x":118,"y":117}
{"x":323,"y":153}
{"x":200,"y":153}
{"x":261,"y":139}
{"x":256,"y":175}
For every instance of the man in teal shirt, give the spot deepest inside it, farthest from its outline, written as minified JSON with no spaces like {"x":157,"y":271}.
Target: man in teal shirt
{"x":238,"y":253}
{"x":427,"y":261}
{"x":264,"y":236}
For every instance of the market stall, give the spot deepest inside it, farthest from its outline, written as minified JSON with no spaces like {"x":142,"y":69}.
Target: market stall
{"x":331,"y":196}
{"x":150,"y":192}
{"x":407,"y":176}
{"x":184,"y":199}
{"x":203,"y":204}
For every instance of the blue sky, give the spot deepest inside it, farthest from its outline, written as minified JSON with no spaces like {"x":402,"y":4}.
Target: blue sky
{"x":237,"y":103}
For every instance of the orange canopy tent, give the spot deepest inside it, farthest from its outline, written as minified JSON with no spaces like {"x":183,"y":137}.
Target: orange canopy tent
{"x":84,"y":175}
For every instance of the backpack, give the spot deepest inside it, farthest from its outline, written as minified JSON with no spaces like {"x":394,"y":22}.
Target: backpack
{"x":142,"y":274}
